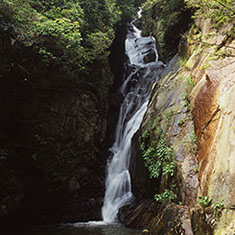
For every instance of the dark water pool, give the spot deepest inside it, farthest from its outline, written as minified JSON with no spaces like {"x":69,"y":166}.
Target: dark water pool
{"x":91,"y":228}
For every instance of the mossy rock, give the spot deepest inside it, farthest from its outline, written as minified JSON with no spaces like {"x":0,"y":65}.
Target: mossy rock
{"x":202,"y":220}
{"x":169,"y":221}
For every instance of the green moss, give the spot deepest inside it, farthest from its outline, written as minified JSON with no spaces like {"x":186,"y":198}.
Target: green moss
{"x":182,"y":62}
{"x":220,"y":12}
{"x":3,"y":154}
{"x":196,"y":169}
{"x":181,"y":121}
{"x":193,"y":137}
{"x":204,"y":201}
{"x":218,"y":207}
{"x":189,"y":82}
{"x":168,"y":117}
{"x":166,"y":197}
{"x":186,"y":100}
{"x":205,"y":66}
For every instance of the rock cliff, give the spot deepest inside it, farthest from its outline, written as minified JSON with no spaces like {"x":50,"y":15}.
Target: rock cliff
{"x":191,"y":112}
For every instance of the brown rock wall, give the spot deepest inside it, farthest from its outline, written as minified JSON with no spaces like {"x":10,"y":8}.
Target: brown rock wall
{"x":212,"y":102}
{"x":213,"y":109}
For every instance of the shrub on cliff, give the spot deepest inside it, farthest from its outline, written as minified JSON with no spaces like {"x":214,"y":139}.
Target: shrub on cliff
{"x":166,"y":20}
{"x":219,"y":11}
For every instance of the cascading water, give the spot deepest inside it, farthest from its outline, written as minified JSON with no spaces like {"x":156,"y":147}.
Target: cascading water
{"x":136,"y":88}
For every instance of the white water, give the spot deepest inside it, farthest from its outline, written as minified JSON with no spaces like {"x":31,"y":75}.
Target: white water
{"x":136,"y":89}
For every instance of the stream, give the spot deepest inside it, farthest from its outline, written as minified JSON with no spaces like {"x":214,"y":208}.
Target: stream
{"x":90,"y":228}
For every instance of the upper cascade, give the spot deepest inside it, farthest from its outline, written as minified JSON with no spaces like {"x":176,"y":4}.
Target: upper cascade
{"x":140,"y":50}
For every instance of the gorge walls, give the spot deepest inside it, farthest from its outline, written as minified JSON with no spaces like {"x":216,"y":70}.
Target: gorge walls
{"x":55,"y":91}
{"x":53,"y":133}
{"x":190,"y":118}
{"x":212,"y":104}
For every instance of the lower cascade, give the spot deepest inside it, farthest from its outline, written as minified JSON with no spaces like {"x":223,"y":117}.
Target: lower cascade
{"x":142,"y":72}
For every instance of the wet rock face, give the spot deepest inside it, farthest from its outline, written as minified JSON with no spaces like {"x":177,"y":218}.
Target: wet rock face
{"x":167,"y":118}
{"x":138,"y":215}
{"x":165,"y":110}
{"x":149,"y":56}
{"x":174,"y":219}
{"x":203,"y":221}
{"x":142,"y":186}
{"x":212,"y":105}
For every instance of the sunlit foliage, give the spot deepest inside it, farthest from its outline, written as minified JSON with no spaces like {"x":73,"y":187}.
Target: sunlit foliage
{"x":219,"y":11}
{"x":70,"y":33}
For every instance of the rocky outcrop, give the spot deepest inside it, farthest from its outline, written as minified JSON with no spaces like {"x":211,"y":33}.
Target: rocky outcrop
{"x":166,"y":21}
{"x":138,"y":215}
{"x":193,"y":106}
{"x":174,"y":219}
{"x":168,"y":112}
{"x":212,"y":102}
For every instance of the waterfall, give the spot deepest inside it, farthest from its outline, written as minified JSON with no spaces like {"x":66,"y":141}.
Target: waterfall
{"x":142,"y":72}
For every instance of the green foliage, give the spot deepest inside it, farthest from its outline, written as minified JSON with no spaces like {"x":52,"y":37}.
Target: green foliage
{"x":99,"y":41}
{"x":53,"y":30}
{"x":218,"y":207}
{"x":189,"y":82}
{"x":182,"y":61}
{"x":204,"y":201}
{"x":205,"y":66}
{"x":181,"y":121}
{"x":157,"y":155}
{"x":189,"y":85}
{"x":196,"y":169}
{"x":3,"y":154}
{"x":145,"y":134}
{"x":168,"y":116}
{"x":159,"y":159}
{"x":169,"y":169}
{"x":163,"y":151}
{"x":166,"y":197}
{"x":128,"y":8}
{"x":185,"y":97}
{"x":219,"y":11}
{"x":193,"y":137}
{"x":151,"y":163}
{"x":70,"y":34}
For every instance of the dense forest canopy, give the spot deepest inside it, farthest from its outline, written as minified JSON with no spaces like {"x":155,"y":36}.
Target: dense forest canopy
{"x":69,"y":33}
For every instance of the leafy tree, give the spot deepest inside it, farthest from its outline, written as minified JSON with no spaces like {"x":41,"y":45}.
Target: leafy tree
{"x":219,"y":11}
{"x":69,"y":33}
{"x":55,"y":31}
